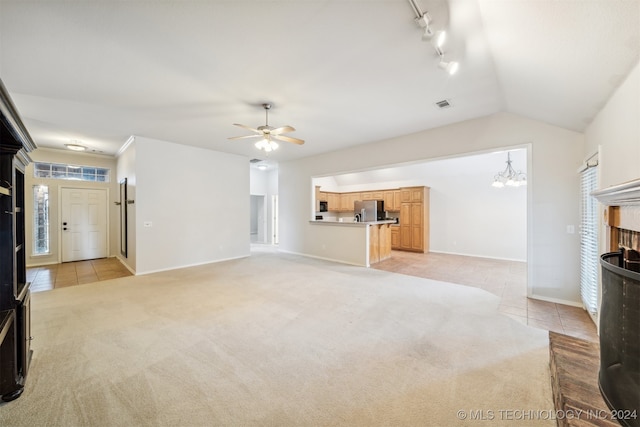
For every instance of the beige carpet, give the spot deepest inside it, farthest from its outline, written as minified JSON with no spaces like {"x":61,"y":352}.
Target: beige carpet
{"x":279,"y":340}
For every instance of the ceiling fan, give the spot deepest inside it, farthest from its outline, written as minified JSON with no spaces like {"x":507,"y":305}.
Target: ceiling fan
{"x":269,"y":133}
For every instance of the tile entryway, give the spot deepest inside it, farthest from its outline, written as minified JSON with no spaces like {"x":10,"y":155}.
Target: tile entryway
{"x":75,"y":273}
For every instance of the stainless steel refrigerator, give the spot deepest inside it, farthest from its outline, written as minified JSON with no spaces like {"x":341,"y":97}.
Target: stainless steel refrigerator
{"x":368,"y":210}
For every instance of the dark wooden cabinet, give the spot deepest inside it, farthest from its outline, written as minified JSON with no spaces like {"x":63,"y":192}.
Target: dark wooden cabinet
{"x":15,"y":295}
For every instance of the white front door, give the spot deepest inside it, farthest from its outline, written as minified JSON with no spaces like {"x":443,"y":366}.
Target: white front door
{"x":83,"y":224}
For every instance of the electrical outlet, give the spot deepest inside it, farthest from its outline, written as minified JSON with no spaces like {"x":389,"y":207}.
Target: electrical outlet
{"x":148,"y":224}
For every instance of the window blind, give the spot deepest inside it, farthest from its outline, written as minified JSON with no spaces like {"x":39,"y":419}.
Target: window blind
{"x":589,"y":240}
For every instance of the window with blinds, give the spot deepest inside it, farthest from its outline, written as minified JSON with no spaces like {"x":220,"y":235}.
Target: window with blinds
{"x":589,"y":240}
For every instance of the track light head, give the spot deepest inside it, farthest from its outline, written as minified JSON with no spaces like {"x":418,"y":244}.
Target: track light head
{"x":424,"y":20}
{"x":439,"y":39}
{"x":450,"y":67}
{"x":428,"y":34}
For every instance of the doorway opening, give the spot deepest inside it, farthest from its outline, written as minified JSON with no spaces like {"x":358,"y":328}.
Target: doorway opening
{"x":258,"y":223}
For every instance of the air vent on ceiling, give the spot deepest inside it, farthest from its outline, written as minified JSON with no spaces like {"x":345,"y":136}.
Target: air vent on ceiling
{"x":445,"y":103}
{"x":255,"y":161}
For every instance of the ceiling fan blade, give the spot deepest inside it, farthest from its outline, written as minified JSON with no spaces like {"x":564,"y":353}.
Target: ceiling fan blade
{"x":247,"y":127}
{"x":282,"y":129}
{"x":243,"y":137}
{"x":288,"y":139}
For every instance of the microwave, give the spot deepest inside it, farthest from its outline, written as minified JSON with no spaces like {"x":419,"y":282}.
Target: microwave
{"x":324,"y":206}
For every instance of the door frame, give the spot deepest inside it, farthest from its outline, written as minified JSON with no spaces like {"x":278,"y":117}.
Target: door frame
{"x":274,"y":220}
{"x":59,"y":226}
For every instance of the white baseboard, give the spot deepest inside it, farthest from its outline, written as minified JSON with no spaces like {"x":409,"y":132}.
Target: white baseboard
{"x":191,"y":265}
{"x":555,"y":300}
{"x":339,"y":261}
{"x":477,"y":256}
{"x":131,"y":270}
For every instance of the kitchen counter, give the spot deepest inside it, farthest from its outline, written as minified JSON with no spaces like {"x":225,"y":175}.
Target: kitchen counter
{"x":351,"y":223}
{"x":367,"y":242}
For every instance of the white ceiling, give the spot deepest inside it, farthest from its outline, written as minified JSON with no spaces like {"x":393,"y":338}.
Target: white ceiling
{"x":342,"y":72}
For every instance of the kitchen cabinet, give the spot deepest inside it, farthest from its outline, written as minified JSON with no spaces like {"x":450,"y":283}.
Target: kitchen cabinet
{"x":387,"y":196}
{"x":395,"y":237}
{"x":333,"y":200}
{"x":379,"y":242}
{"x":345,"y":198}
{"x":15,"y":318}
{"x":373,"y":195}
{"x":352,"y":199}
{"x":392,"y":200}
{"x":414,"y":219}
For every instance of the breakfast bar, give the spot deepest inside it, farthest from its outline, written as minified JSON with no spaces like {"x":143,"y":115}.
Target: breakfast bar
{"x":359,"y":243}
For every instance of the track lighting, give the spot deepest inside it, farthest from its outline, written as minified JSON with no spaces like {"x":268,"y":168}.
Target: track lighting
{"x":437,"y":39}
{"x":428,"y":34}
{"x":450,"y":67}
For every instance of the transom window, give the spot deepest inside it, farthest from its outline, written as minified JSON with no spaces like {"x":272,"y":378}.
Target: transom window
{"x":71,"y":172}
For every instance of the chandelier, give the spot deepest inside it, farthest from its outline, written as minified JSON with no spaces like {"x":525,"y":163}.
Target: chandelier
{"x":509,"y":176}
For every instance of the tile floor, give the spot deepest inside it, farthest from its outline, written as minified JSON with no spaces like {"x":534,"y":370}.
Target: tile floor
{"x":74,"y":273}
{"x":506,"y":279}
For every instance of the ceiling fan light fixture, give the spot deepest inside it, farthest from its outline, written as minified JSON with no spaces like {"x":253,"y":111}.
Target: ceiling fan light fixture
{"x":268,"y":133}
{"x":267,"y":145}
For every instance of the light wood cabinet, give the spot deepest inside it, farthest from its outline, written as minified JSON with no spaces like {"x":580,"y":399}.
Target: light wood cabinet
{"x":392,"y":201}
{"x":333,"y":201}
{"x":396,"y":200}
{"x":379,"y":242}
{"x":345,"y":206}
{"x":388,"y":200}
{"x":414,"y":219}
{"x":353,"y":197}
{"x":395,"y":237}
{"x":373,"y":195}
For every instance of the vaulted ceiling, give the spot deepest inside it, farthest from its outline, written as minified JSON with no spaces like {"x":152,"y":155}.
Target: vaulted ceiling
{"x":341,"y":72}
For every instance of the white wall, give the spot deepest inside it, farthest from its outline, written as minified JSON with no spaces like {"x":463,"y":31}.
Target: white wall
{"x":616,"y":130}
{"x":553,"y":188}
{"x":197,"y":201}
{"x":127,"y":169}
{"x":66,"y":157}
{"x":615,"y":133}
